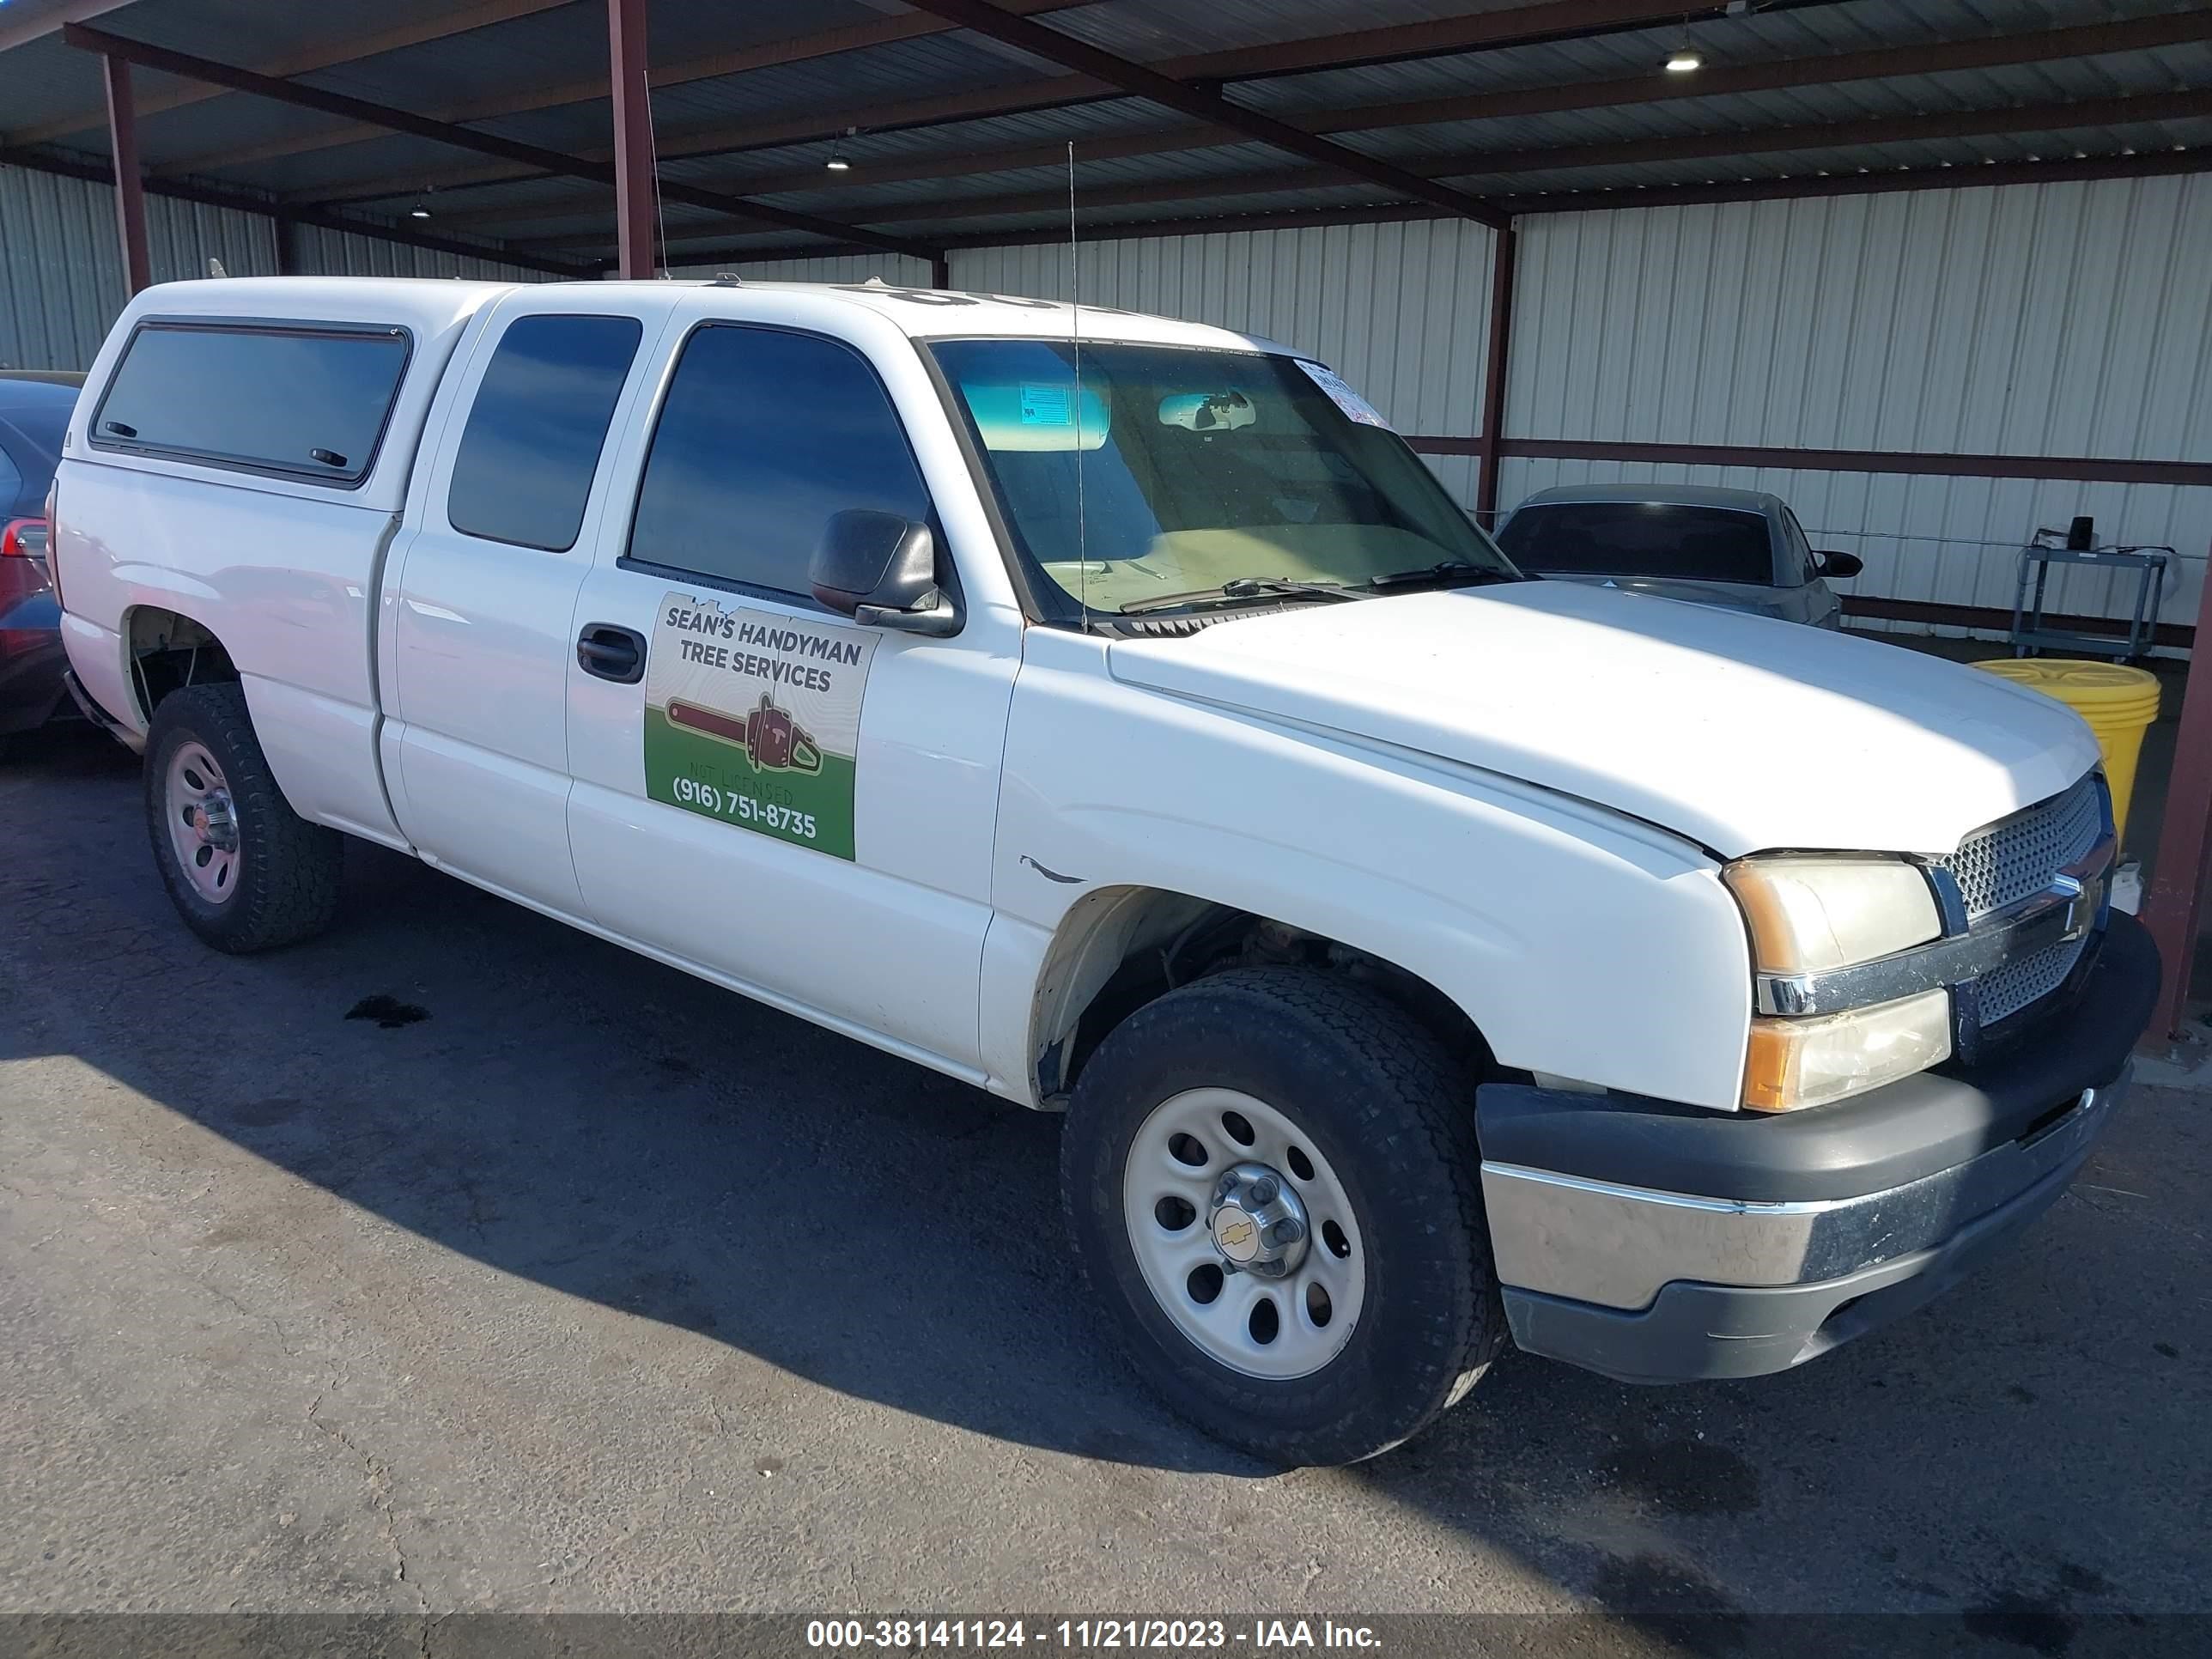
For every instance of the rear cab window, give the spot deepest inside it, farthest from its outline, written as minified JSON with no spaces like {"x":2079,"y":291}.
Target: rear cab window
{"x":306,"y":401}
{"x":527,"y":456}
{"x":1641,"y":539}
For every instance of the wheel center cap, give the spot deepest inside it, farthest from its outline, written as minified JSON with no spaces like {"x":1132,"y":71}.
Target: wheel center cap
{"x":1257,"y":1223}
{"x":1236,"y":1234}
{"x":214,"y":824}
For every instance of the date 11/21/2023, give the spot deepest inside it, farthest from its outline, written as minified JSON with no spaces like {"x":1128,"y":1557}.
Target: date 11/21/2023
{"x":741,"y":808}
{"x":910,"y":1635}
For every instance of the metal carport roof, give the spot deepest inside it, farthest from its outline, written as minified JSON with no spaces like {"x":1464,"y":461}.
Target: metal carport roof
{"x":952,"y":116}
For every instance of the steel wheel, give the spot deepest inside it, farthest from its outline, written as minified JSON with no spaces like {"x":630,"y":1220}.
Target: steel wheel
{"x":1244,"y":1233}
{"x":203,"y":822}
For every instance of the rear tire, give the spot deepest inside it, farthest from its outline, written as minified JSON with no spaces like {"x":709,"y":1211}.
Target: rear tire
{"x":1360,"y":1117}
{"x":246,"y":872}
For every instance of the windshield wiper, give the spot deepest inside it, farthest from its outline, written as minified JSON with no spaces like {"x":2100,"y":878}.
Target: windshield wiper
{"x":1245,"y":588}
{"x":1452,"y":572}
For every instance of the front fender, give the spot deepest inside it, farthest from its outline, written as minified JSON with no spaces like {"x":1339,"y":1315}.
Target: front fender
{"x":1579,"y":941}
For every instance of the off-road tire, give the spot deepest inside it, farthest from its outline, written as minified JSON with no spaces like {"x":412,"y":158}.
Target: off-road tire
{"x":289,"y":868}
{"x":1392,"y":1114}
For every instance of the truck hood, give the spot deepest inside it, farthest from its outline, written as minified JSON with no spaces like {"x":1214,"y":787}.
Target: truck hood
{"x":1742,"y":733}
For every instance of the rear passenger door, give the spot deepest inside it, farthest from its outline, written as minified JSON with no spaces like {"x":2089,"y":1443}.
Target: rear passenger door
{"x":801,"y":806}
{"x":476,"y":632}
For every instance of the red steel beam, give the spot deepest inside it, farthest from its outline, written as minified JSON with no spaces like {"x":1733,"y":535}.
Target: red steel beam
{"x":2172,"y":911}
{"x":633,"y":111}
{"x":1996,"y":621}
{"x":1493,"y":375}
{"x":1142,"y":81}
{"x":130,"y":183}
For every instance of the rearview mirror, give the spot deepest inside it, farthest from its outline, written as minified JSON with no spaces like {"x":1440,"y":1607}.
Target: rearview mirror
{"x":1839,"y":565}
{"x":881,"y":569}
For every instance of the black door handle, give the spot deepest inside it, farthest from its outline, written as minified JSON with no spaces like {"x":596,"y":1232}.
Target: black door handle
{"x":612,"y":652}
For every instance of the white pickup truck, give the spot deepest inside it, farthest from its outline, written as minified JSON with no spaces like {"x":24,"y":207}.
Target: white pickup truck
{"x":1113,"y":712}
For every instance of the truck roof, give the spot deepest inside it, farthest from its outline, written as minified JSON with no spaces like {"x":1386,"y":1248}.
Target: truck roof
{"x":430,"y":303}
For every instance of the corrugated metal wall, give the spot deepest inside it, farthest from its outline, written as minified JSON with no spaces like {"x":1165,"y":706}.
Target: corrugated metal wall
{"x":2063,"y":319}
{"x":61,"y":271}
{"x":324,"y":253}
{"x":899,"y":269}
{"x":1399,"y":310}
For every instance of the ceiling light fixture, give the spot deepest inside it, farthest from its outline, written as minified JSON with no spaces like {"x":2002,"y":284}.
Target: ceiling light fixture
{"x":1682,"y":62}
{"x":838,"y":164}
{"x":420,"y":211}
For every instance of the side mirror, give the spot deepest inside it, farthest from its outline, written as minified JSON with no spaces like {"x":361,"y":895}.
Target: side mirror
{"x":881,"y":570}
{"x":1839,"y":565}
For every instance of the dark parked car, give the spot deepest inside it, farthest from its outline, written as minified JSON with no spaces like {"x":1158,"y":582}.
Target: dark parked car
{"x":33,"y":416}
{"x":1739,"y":549}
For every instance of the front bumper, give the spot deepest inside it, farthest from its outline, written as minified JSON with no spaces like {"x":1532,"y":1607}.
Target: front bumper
{"x":1654,"y":1243}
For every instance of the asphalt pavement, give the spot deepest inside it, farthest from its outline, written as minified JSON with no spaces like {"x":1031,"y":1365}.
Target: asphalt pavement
{"x":456,"y":1261}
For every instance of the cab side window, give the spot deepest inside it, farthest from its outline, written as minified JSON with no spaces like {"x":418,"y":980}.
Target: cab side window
{"x":523,"y":473}
{"x":763,"y":435}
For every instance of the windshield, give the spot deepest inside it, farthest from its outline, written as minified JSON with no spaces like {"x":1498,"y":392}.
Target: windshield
{"x":1179,"y":471}
{"x":1641,"y":539}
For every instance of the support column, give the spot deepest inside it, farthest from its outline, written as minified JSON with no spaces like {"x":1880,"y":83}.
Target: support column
{"x":129,"y":188}
{"x":940,"y":273}
{"x":287,"y":245}
{"x":634,"y":179}
{"x":1493,"y":377}
{"x":2173,"y":909}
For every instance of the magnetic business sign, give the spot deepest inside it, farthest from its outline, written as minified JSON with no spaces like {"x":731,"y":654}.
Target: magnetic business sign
{"x":754,"y":718}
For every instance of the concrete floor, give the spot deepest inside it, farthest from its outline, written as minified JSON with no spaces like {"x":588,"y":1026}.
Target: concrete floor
{"x":587,"y":1287}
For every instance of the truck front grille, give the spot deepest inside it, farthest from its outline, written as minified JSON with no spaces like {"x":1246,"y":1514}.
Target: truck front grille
{"x":2014,"y":858}
{"x":2015,"y":986}
{"x":2018,"y":856}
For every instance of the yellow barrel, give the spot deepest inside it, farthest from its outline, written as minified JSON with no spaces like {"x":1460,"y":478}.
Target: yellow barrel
{"x":2118,"y":702}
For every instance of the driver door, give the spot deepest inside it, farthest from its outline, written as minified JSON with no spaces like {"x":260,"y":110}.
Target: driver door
{"x":798,"y":806}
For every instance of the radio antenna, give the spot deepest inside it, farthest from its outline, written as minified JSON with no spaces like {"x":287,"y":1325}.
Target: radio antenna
{"x":653,"y":159}
{"x":1075,"y":341}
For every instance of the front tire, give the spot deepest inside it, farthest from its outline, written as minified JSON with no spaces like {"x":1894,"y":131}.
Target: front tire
{"x":1271,"y":1181}
{"x":246,"y":872}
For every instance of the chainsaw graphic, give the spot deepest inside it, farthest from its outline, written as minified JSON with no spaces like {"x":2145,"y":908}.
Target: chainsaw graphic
{"x":772,"y":740}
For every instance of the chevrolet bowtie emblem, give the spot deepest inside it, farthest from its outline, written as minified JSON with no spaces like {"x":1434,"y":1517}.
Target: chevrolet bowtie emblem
{"x":2084,"y":891}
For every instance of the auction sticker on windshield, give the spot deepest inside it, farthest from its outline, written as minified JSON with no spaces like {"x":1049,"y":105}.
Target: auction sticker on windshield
{"x":1341,"y":394}
{"x":754,"y":718}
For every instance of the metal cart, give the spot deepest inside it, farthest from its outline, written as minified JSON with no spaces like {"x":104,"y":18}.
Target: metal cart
{"x":2030,"y":636}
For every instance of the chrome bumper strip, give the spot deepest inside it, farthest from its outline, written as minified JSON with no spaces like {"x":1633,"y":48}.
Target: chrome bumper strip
{"x":1616,"y":1245}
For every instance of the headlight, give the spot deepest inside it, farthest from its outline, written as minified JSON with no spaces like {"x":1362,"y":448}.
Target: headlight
{"x":1793,"y":1063}
{"x":1815,"y":915}
{"x":1809,"y":915}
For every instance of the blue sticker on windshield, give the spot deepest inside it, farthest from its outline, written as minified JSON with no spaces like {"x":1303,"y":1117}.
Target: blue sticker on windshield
{"x":1045,"y":406}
